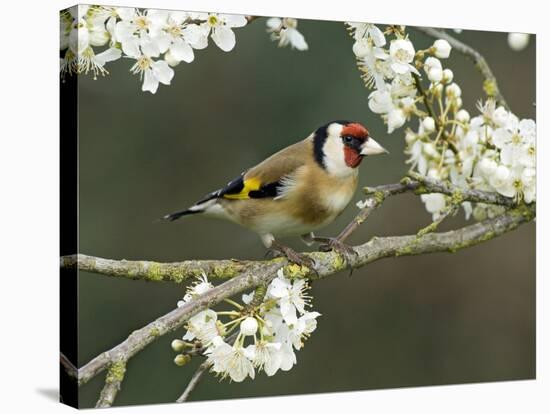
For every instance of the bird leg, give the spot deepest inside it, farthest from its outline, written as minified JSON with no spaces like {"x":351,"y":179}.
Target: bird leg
{"x":333,"y":243}
{"x":279,"y":249}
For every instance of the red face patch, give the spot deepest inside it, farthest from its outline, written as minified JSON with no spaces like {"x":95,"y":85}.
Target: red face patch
{"x":355,"y":130}
{"x":352,"y":157}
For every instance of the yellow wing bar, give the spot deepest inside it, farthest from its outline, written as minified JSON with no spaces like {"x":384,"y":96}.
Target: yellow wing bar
{"x":251,"y":184}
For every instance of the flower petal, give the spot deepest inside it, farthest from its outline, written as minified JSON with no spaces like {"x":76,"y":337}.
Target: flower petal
{"x":224,"y":38}
{"x":197,"y":35}
{"x":297,"y":39}
{"x":126,"y":13}
{"x":234,"y":20}
{"x":150,"y":82}
{"x":377,"y":35}
{"x":149,"y":46}
{"x":163,"y":72}
{"x":108,"y":55}
{"x":181,"y":50}
{"x":274,"y":23}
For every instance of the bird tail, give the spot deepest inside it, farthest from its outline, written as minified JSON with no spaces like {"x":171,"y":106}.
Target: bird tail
{"x":200,"y":207}
{"x":178,"y":214}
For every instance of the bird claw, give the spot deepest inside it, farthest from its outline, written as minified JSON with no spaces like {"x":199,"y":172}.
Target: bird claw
{"x":347,"y":252}
{"x":292,"y":256}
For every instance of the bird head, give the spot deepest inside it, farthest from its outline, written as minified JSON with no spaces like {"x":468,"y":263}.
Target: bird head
{"x":340,"y":146}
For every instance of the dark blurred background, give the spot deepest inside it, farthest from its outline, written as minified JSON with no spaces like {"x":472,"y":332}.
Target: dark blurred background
{"x":409,"y":321}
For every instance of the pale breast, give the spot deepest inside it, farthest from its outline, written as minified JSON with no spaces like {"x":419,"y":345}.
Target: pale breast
{"x":336,"y":201}
{"x":310,"y":201}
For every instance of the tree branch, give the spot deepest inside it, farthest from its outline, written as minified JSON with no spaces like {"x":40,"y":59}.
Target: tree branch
{"x":176,"y":272}
{"x":113,"y":380}
{"x":69,"y":367}
{"x":245,"y":275}
{"x":179,"y":272}
{"x":254,"y":274}
{"x":490,"y":84}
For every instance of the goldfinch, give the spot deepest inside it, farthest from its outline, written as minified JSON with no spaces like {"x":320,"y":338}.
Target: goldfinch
{"x":295,"y":191}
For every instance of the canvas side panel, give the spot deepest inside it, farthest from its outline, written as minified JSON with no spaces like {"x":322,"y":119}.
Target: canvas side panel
{"x":69,"y":235}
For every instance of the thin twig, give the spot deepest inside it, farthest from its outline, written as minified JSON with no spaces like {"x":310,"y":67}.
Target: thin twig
{"x":435,"y":224}
{"x":490,"y":84}
{"x":422,"y":93}
{"x":420,"y":185}
{"x":195,"y":379}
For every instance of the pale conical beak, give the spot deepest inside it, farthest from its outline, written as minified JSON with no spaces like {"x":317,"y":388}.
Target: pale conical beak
{"x":371,"y":147}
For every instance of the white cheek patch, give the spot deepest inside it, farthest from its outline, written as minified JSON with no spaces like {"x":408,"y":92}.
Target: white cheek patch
{"x":334,"y":153}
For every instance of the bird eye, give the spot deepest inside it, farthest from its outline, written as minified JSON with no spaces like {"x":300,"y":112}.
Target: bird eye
{"x":348,"y":139}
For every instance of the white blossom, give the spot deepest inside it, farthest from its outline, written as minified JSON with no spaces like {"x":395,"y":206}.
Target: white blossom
{"x":448,"y":76}
{"x":303,"y":327}
{"x":155,"y":39}
{"x":220,"y":28}
{"x":233,"y":361}
{"x":401,"y":56}
{"x":428,"y":124}
{"x":453,"y":91}
{"x":462,"y":116}
{"x":495,"y":151}
{"x":201,"y":286}
{"x":368,"y":32}
{"x":267,"y":356}
{"x":203,"y":326}
{"x":152,"y":72}
{"x":442,"y":48}
{"x":249,"y":326}
{"x":434,"y":70}
{"x":286,"y":32}
{"x":291,"y":296}
{"x":435,"y":204}
{"x":518,"y":41}
{"x":396,"y":119}
{"x":380,"y":101}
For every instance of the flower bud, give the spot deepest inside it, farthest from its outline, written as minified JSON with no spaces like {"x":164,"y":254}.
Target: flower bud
{"x":249,"y":326}
{"x":480,"y":213}
{"x":170,"y":59}
{"x":432,"y":63}
{"x":453,"y":91}
{"x":462,"y":116}
{"x":518,"y":41}
{"x":447,"y":76}
{"x":178,"y":345}
{"x":442,"y":48}
{"x":435,"y":75}
{"x":429,"y":149}
{"x":437,"y":90}
{"x":428,"y":124}
{"x":181,"y":359}
{"x":410,"y":137}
